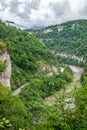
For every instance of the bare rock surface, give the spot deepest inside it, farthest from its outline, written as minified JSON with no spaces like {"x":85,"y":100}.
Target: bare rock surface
{"x":6,"y":75}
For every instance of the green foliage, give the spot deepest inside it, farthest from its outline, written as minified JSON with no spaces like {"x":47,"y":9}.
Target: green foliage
{"x":81,"y":108}
{"x":28,"y":110}
{"x":25,"y":52}
{"x":41,"y":87}
{"x":12,"y":109}
{"x":2,"y":66}
{"x":2,"y":48}
{"x":5,"y":124}
{"x":56,"y":117}
{"x":70,"y":40}
{"x":21,"y":129}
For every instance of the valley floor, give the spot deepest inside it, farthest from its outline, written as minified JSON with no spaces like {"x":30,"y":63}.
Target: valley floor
{"x":69,"y":100}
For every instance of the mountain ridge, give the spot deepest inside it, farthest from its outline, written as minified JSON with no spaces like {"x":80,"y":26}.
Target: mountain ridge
{"x":68,"y":37}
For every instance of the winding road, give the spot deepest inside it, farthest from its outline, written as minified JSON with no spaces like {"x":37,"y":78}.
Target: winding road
{"x":17,"y":91}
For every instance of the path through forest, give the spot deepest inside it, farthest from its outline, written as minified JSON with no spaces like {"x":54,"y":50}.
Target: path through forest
{"x":17,"y":91}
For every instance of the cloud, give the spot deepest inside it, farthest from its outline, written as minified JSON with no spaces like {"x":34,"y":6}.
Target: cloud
{"x":60,"y":8}
{"x":83,"y":11}
{"x":3,"y":5}
{"x":42,"y":12}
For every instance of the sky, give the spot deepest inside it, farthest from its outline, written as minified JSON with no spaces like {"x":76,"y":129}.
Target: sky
{"x":42,"y":12}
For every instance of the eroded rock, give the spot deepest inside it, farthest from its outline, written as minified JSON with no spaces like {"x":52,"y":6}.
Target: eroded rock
{"x":6,"y":75}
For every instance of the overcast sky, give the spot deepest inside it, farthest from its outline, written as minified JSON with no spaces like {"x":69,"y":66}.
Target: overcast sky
{"x":42,"y":12}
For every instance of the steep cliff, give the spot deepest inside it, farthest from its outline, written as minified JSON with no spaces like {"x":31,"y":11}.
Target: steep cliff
{"x":6,"y":74}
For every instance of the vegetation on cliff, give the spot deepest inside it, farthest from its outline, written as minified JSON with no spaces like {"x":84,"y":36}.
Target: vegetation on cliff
{"x":69,"y":37}
{"x":25,"y":51}
{"x":33,"y":63}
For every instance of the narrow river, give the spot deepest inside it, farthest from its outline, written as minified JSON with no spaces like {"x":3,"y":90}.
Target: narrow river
{"x":70,"y":101}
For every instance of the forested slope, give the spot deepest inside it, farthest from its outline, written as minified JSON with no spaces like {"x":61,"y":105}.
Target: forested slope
{"x":33,"y":66}
{"x":69,"y":37}
{"x":26,"y":51}
{"x":36,"y":67}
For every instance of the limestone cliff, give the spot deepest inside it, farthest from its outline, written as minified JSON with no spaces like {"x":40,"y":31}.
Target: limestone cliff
{"x":6,"y":75}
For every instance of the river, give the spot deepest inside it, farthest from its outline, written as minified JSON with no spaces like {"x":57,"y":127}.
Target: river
{"x":70,"y":101}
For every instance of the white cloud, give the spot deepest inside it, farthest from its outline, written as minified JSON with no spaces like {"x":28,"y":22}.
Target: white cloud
{"x":42,"y":12}
{"x":21,"y":7}
{"x":77,"y":5}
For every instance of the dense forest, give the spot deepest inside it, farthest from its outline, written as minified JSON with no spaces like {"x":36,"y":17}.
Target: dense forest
{"x":34,"y":65}
{"x":68,"y":38}
{"x":25,"y":51}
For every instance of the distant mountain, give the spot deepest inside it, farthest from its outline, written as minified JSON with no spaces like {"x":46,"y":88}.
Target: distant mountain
{"x":10,"y":23}
{"x":69,"y":37}
{"x":36,"y":27}
{"x":22,"y":27}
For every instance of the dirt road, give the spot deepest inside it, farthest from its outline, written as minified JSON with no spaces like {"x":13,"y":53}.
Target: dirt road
{"x":17,"y":91}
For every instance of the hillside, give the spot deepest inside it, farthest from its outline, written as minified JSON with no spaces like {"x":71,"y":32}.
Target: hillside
{"x":27,"y":54}
{"x":46,"y":95}
{"x":67,"y":38}
{"x":34,"y":70}
{"x":69,"y":109}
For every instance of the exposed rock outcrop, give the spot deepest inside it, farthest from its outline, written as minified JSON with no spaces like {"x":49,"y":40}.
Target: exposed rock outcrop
{"x":60,"y":28}
{"x":47,"y":31}
{"x":6,"y":75}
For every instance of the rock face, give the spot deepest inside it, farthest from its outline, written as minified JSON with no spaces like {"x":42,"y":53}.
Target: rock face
{"x":47,"y":31}
{"x":60,"y":28}
{"x":6,"y":75}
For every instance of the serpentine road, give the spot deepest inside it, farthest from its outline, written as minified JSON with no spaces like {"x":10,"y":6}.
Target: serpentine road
{"x":18,"y":91}
{"x":70,"y":101}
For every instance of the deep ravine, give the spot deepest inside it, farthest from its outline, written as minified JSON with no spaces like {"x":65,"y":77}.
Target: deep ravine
{"x":69,"y":100}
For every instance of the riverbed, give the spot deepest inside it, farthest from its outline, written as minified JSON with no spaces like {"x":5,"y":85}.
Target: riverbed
{"x":70,"y":101}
